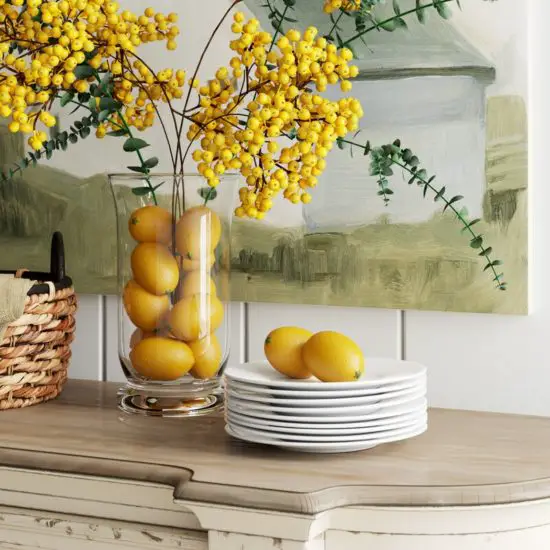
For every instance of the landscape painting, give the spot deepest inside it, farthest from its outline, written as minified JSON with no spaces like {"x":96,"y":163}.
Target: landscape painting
{"x":454,"y":91}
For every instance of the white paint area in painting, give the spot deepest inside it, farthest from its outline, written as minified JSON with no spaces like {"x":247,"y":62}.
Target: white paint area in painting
{"x":498,"y":29}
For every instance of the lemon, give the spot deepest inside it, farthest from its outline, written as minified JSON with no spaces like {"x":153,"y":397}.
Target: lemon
{"x":283,"y":350}
{"x":197,"y":282}
{"x":333,"y":357}
{"x":160,"y":358}
{"x":147,"y":311}
{"x":195,"y":317}
{"x":202,"y":264}
{"x":208,"y":357}
{"x":138,"y":335}
{"x":151,"y":224}
{"x":199,"y":229}
{"x":154,"y":268}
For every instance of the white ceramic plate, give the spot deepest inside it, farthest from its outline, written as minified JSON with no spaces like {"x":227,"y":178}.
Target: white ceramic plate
{"x":350,"y":428}
{"x":341,"y":447}
{"x":323,"y":402}
{"x":278,"y":437}
{"x":244,"y":405}
{"x":415,"y":405}
{"x":377,"y":372}
{"x":290,"y":392}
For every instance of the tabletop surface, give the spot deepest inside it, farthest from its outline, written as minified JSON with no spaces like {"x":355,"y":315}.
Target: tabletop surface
{"x":465,"y":458}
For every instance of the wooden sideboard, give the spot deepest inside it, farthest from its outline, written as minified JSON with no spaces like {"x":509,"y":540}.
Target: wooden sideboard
{"x":75,"y":474}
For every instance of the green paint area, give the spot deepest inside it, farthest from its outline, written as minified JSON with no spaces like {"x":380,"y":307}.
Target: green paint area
{"x":411,"y":266}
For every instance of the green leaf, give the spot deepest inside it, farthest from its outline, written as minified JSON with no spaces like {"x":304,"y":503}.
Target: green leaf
{"x":84,"y":132}
{"x":109,"y":104}
{"x":486,"y":251}
{"x":456,"y":198}
{"x":140,"y":191}
{"x":477,"y":242}
{"x":134,"y":144}
{"x":103,"y":115}
{"x":340,"y":142}
{"x":66,"y":98}
{"x":78,"y":124}
{"x":396,"y":8}
{"x":83,"y":71}
{"x":151,"y":163}
{"x":117,"y":133}
{"x":422,"y":174}
{"x":440,"y":194}
{"x":208,"y":193}
{"x":443,"y":10}
{"x":73,"y":138}
{"x":139,"y":169}
{"x":420,"y":11}
{"x":471,"y":224}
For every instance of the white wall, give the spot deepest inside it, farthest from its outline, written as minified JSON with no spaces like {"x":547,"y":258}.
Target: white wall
{"x":475,"y":361}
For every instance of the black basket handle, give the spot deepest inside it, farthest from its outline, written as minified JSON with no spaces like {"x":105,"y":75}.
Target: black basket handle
{"x":57,"y":258}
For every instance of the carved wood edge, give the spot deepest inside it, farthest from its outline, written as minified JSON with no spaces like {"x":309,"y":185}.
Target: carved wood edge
{"x":186,"y":489}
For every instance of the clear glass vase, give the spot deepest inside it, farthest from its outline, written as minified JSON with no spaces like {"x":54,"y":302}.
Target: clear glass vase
{"x":174,"y":236}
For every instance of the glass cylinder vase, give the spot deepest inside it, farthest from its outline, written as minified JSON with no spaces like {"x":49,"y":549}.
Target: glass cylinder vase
{"x":174,"y":237}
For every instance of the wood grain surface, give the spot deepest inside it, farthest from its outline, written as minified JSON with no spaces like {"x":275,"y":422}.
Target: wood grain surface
{"x":465,"y":458}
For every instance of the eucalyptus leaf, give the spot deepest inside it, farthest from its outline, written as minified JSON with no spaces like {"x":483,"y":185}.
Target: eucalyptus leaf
{"x":83,"y":71}
{"x":140,"y":191}
{"x":134,"y":144}
{"x":66,"y":98}
{"x":151,"y":163}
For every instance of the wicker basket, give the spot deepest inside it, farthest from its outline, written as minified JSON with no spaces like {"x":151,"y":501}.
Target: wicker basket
{"x":35,"y":350}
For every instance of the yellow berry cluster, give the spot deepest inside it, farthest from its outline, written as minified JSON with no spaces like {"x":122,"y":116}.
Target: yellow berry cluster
{"x":274,"y":128}
{"x":42,"y":43}
{"x":138,"y":88}
{"x":348,"y":5}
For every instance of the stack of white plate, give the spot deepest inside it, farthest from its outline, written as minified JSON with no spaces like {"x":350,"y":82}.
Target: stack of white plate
{"x":387,"y":404}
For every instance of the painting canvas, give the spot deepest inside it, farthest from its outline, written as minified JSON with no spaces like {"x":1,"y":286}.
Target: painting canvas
{"x":454,"y":91}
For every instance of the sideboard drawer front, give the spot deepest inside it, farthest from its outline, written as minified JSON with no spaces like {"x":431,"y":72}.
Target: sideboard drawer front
{"x":36,"y":530}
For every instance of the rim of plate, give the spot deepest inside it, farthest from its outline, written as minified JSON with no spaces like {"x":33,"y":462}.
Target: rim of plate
{"x":386,"y":371}
{"x":313,"y":411}
{"x":314,"y":438}
{"x":324,"y":447}
{"x":323,"y":401}
{"x":418,"y":404}
{"x":287,"y":392}
{"x":328,"y":429}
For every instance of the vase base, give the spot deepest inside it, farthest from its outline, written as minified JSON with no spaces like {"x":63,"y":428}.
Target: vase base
{"x":145,"y":404}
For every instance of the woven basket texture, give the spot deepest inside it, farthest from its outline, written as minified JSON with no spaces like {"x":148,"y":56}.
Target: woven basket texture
{"x":35,"y":350}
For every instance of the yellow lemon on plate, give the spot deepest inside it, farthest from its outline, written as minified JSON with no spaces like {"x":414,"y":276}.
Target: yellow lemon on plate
{"x":154,"y":268}
{"x":151,"y":224}
{"x":197,"y":282}
{"x":195,"y":317}
{"x":208,"y":357}
{"x":147,"y":311}
{"x":333,"y":357}
{"x":161,"y":358}
{"x":198,"y":229}
{"x":283,"y":349}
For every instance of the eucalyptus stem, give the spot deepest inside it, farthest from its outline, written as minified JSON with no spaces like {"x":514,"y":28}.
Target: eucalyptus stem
{"x":395,"y":155}
{"x":140,"y":156}
{"x":379,"y":24}
{"x":335,"y":25}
